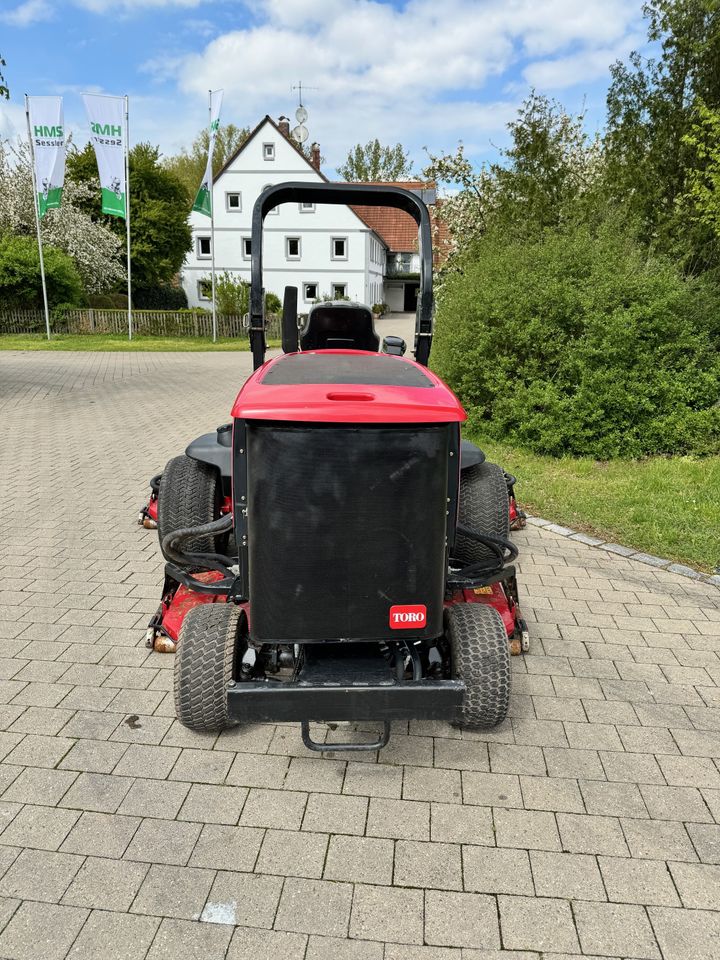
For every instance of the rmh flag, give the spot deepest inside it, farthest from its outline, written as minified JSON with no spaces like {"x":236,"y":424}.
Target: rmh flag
{"x":203,"y":200}
{"x":48,"y":145}
{"x":106,"y":116}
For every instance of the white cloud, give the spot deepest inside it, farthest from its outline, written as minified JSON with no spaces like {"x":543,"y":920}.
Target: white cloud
{"x":27,"y":13}
{"x":419,"y":74}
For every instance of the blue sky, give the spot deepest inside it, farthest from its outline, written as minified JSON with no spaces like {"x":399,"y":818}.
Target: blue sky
{"x":421,"y":72}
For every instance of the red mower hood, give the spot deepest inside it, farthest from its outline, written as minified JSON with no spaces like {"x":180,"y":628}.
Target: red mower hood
{"x":346,"y":386}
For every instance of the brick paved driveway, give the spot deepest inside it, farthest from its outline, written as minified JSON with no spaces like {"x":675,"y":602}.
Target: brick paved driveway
{"x":586,"y":825}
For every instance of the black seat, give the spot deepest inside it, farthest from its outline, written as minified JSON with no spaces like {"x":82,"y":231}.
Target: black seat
{"x":339,"y":326}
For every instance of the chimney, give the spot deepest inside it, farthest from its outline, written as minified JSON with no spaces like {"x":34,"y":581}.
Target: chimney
{"x":315,"y":154}
{"x":284,"y":125}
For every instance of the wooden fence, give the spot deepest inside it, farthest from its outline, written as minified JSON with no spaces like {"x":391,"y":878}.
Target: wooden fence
{"x":157,"y":323}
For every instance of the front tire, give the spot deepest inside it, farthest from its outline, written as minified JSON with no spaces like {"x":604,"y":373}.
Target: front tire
{"x":480,"y":655}
{"x":205,"y":665}
{"x":484,"y":507}
{"x":189,"y":495}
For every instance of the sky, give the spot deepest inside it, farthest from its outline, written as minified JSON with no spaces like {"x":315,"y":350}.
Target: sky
{"x":426,"y":73}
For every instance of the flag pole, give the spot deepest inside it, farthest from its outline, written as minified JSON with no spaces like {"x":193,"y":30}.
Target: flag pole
{"x":212,"y":226}
{"x":37,"y":218}
{"x":127,"y":212}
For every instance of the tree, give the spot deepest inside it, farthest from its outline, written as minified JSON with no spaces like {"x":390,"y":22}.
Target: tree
{"x":651,"y":106}
{"x":4,"y":92}
{"x":20,"y":280}
{"x":548,"y":174}
{"x":95,"y":249}
{"x":160,"y":235}
{"x":188,"y":166}
{"x":375,"y":162}
{"x":702,"y":198}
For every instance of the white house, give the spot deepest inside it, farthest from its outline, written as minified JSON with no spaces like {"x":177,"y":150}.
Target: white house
{"x":328,"y":250}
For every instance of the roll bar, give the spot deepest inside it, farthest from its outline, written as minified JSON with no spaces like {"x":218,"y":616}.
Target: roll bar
{"x":340,"y":193}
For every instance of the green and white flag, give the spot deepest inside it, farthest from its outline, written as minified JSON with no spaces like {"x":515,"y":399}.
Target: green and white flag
{"x":48,"y":147}
{"x":106,"y":116}
{"x":203,"y":200}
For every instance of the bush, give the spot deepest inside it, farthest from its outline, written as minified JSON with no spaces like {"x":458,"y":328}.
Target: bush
{"x":273,"y":303}
{"x":20,"y":280}
{"x":161,"y":297}
{"x":579,"y":343}
{"x":107,"y":301}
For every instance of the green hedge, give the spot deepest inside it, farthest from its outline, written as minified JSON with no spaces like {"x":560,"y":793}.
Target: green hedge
{"x":581,"y":344}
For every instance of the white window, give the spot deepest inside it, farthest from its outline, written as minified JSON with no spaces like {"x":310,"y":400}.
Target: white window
{"x":203,"y":249}
{"x":246,"y":248}
{"x":204,"y":289}
{"x":292,"y":248}
{"x":306,"y":207}
{"x":339,"y":290}
{"x":274,"y":209}
{"x":338,"y":248}
{"x":268,"y":151}
{"x":233,"y":202}
{"x":310,"y":291}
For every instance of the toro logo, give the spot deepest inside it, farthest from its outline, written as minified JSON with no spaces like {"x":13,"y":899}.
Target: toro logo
{"x":408,"y":616}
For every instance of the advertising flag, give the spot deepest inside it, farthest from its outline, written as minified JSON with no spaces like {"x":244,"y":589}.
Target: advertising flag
{"x":203,"y":200}
{"x":107,"y":125}
{"x":48,"y":146}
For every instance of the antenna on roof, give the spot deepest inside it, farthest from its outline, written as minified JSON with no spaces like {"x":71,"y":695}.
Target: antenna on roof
{"x":300,"y":132}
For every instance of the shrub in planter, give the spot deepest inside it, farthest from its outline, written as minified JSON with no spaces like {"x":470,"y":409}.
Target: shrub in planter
{"x":581,"y":343}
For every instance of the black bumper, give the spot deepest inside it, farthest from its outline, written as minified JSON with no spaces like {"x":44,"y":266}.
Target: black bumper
{"x":346,"y":688}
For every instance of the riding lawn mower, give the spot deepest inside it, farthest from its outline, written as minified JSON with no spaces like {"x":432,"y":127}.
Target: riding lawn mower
{"x":336,"y":552}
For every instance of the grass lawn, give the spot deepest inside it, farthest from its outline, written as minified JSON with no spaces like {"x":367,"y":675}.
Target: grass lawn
{"x":115,"y":342}
{"x":665,"y":506}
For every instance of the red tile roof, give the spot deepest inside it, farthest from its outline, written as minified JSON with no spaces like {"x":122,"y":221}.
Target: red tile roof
{"x":398,"y":229}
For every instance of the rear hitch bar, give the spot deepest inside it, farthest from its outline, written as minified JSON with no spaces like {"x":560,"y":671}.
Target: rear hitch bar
{"x":311,"y":744}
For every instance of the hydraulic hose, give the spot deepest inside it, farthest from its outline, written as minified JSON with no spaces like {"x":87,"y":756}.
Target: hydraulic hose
{"x":211,"y":561}
{"x":503,"y":551}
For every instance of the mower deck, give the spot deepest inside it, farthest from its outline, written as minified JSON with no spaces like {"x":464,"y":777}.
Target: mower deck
{"x":343,"y":681}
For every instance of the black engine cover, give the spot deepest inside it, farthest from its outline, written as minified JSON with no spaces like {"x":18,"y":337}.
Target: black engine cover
{"x":345,"y":522}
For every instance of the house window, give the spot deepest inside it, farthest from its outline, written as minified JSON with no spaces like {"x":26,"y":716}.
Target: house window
{"x":203,"y":249}
{"x":204,"y":288}
{"x":338,"y":248}
{"x":306,"y":207}
{"x":268,"y":151}
{"x":339,"y":290}
{"x":292,"y":248}
{"x":246,"y":248}
{"x":310,"y":291}
{"x":233,"y":202}
{"x":274,"y":209}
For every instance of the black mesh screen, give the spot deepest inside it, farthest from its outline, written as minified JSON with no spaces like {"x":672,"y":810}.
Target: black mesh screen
{"x":343,"y":523}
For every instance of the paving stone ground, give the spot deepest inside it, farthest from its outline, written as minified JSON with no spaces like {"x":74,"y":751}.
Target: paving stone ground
{"x":587,"y":825}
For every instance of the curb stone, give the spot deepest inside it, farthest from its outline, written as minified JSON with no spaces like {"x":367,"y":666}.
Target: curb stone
{"x":679,"y":568}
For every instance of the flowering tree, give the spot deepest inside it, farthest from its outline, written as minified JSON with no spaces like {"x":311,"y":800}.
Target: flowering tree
{"x":97,"y":252}
{"x":550,"y":163}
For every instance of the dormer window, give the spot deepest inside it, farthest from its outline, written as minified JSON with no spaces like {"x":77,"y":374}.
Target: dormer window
{"x":268,"y":151}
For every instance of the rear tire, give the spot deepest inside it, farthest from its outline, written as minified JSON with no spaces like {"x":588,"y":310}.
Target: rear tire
{"x":480,"y":655}
{"x":485,"y":507}
{"x":189,"y":495}
{"x":205,"y":666}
